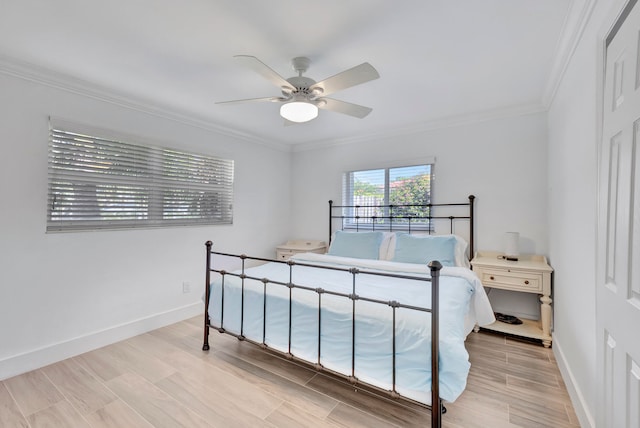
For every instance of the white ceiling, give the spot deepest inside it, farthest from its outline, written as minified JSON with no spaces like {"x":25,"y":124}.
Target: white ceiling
{"x":439,"y":60}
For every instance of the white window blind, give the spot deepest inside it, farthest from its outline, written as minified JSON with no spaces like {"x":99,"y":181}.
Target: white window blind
{"x":104,"y":183}
{"x":369,"y":189}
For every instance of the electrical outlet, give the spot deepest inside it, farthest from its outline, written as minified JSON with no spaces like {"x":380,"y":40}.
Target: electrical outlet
{"x":186,"y":287}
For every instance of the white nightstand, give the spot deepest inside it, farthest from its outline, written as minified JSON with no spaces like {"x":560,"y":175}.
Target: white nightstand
{"x":530,"y":274}
{"x":284,"y":251}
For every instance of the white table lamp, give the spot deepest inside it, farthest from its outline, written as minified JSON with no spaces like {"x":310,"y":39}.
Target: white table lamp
{"x":511,"y":251}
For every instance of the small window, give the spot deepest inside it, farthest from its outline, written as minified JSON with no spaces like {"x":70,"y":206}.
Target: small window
{"x":104,"y":183}
{"x":365,"y":192}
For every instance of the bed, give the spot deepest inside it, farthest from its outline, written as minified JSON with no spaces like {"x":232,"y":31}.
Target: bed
{"x":369,"y":308}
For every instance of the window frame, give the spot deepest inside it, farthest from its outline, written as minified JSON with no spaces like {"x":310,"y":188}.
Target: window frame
{"x":349,"y":206}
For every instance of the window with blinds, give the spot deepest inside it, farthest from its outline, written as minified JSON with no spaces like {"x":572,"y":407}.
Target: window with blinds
{"x":365,"y":192}
{"x":102,"y":183}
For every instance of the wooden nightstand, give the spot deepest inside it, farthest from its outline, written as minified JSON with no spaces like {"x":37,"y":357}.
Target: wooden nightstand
{"x":530,"y":274}
{"x":284,"y":251}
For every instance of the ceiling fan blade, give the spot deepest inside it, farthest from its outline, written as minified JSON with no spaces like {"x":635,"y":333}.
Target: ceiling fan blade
{"x":343,"y":107}
{"x":250,"y":100}
{"x":264,"y":70}
{"x":354,"y":76}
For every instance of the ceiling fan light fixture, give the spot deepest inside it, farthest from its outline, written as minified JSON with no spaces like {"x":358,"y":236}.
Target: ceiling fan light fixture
{"x":299,"y":111}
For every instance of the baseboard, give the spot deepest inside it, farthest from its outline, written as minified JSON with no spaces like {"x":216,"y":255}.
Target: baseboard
{"x":577,"y":398}
{"x":41,"y":357}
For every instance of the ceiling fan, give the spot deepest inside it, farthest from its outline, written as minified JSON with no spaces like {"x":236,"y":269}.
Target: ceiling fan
{"x":302,"y":96}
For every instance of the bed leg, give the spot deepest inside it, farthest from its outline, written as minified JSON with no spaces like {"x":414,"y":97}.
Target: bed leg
{"x":207,"y":288}
{"x":205,"y":345}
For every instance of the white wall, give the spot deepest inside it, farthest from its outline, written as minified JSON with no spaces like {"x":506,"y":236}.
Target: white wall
{"x":503,"y":162}
{"x":572,"y":214}
{"x":65,"y":293}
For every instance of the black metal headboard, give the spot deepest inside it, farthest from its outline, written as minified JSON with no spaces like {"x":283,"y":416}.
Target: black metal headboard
{"x":407,"y":218}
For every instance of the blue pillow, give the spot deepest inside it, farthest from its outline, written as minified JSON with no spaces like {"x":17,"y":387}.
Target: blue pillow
{"x":360,"y":245}
{"x":424,"y":249}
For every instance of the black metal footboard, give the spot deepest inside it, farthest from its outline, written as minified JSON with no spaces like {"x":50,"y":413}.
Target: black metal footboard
{"x":434,"y":266}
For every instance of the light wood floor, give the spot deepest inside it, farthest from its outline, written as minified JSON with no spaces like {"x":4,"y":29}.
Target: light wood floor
{"x":163,"y":379}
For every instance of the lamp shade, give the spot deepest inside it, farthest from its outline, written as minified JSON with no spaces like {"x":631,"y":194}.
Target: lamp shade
{"x":299,"y":111}
{"x":511,"y":241}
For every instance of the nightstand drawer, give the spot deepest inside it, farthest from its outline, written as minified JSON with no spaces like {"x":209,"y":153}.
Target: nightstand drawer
{"x":284,"y":254}
{"x":510,"y":280}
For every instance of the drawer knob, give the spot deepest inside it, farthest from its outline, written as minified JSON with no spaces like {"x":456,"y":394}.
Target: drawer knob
{"x":527,"y":282}
{"x":491,"y":278}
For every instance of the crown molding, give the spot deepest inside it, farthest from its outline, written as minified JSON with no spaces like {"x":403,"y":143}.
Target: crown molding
{"x":575,"y":22}
{"x":430,"y":125}
{"x":30,"y":72}
{"x":33,"y":73}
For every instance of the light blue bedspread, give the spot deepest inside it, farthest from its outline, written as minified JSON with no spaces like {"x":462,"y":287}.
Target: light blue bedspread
{"x":373,"y":331}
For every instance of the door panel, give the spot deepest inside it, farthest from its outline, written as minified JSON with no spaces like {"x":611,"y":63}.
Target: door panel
{"x":618,"y":255}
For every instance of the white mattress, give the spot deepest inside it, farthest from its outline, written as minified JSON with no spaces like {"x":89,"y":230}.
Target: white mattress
{"x":463,"y":303}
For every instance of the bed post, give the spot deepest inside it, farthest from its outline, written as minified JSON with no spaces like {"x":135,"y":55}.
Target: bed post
{"x":436,"y":403}
{"x":330,"y":214}
{"x":207,"y":293}
{"x":471,"y":221}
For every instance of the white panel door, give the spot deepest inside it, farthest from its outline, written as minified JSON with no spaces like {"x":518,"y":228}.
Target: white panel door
{"x":618,"y":255}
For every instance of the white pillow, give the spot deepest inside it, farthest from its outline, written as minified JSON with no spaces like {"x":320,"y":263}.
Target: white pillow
{"x":461,"y":253}
{"x":387,"y":239}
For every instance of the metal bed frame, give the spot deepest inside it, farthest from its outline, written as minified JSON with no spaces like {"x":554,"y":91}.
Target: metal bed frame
{"x":374,"y":222}
{"x":352,"y":218}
